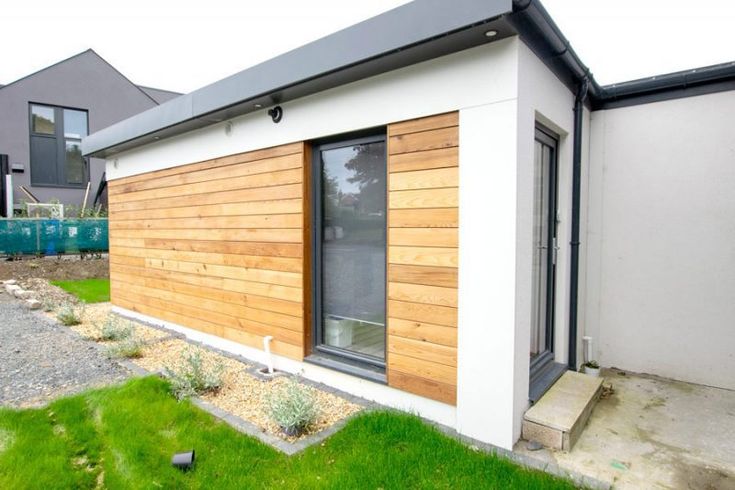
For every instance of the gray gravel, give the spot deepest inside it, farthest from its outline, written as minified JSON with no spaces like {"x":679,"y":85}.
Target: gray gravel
{"x":41,"y":360}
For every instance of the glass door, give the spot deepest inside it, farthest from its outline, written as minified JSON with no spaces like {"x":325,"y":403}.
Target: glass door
{"x":545,"y":251}
{"x":350,"y":250}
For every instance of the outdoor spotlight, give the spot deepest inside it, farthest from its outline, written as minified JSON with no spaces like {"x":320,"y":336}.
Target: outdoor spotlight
{"x":183,"y":461}
{"x":276,"y":114}
{"x":491,"y":33}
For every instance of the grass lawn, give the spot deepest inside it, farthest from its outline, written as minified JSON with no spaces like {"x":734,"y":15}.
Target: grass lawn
{"x":87,"y":290}
{"x":127,"y":434}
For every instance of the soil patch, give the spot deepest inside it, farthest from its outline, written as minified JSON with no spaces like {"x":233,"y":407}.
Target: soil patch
{"x":55,"y":268}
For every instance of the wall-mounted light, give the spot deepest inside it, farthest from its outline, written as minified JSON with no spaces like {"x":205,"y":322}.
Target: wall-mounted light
{"x":276,"y":114}
{"x":228,"y":128}
{"x":491,"y":33}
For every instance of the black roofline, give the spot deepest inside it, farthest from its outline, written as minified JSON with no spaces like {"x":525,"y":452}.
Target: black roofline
{"x":384,"y":43}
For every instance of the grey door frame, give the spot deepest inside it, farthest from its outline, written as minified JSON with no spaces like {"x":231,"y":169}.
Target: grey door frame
{"x":544,"y":371}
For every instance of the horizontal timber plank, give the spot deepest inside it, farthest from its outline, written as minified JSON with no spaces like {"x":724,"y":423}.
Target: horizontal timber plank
{"x":278,"y":235}
{"x":223,"y":320}
{"x":424,"y":218}
{"x":269,"y":249}
{"x":253,"y":301}
{"x":424,"y":160}
{"x":430,"y":256}
{"x":281,"y":278}
{"x":425,"y":140}
{"x":238,"y":311}
{"x":257,"y":181}
{"x":419,"y":293}
{"x":425,"y":332}
{"x":440,"y":354}
{"x":418,"y":274}
{"x":222,"y":222}
{"x":288,"y":264}
{"x":418,"y":312}
{"x":425,"y":179}
{"x":424,"y":198}
{"x":443,"y":392}
{"x":265,"y":153}
{"x":423,"y":237}
{"x":438,"y":121}
{"x":283,"y":206}
{"x":422,"y":368}
{"x":240,"y":169}
{"x":288,"y":191}
{"x":227,"y":284}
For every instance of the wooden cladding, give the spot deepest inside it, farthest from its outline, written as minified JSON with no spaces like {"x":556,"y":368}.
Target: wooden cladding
{"x":423,"y":201}
{"x":223,"y":246}
{"x":216,"y":246}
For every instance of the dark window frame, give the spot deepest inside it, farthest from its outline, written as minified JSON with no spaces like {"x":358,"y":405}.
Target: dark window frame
{"x":61,"y":180}
{"x":349,"y":361}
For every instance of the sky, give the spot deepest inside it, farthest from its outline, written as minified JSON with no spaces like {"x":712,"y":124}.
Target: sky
{"x":187,"y":44}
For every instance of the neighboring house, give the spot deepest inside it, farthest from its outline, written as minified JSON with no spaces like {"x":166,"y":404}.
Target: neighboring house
{"x":442,"y":206}
{"x":44,"y":116}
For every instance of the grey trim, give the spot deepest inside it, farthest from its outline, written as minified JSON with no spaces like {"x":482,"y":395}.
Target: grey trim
{"x":688,"y":83}
{"x":414,"y":32}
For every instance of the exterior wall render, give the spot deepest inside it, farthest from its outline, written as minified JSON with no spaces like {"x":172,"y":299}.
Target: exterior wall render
{"x":660,"y":266}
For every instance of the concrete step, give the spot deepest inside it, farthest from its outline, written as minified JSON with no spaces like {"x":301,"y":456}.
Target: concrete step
{"x":558,"y":418}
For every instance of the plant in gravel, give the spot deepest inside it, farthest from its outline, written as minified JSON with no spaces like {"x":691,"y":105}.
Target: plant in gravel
{"x":293,"y":408}
{"x":48,"y":305}
{"x":115,"y":328}
{"x":70,"y":314}
{"x":193,"y":377}
{"x":130,"y":348}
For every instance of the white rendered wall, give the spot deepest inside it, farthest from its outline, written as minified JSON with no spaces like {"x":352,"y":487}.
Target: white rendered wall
{"x":477,"y":76}
{"x":480,"y":83}
{"x":661,"y":263}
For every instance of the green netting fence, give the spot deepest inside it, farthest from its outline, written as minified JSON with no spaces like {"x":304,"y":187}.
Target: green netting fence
{"x":44,"y":236}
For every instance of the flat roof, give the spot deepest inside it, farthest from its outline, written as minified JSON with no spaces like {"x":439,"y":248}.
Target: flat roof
{"x":414,"y":32}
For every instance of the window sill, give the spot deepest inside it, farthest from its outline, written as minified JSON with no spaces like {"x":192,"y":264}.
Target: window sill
{"x":374,"y":374}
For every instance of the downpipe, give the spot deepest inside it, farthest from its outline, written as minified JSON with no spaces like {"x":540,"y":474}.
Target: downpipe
{"x":576,"y":217}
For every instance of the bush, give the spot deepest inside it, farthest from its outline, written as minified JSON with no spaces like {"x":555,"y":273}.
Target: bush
{"x":130,"y":348}
{"x":69,"y":314}
{"x":293,"y":408}
{"x":115,"y":328}
{"x":48,"y":305}
{"x":192,"y":377}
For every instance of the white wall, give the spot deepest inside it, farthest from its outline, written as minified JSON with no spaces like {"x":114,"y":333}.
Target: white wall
{"x":482,"y":84}
{"x":661,"y":262}
{"x":478,"y":76}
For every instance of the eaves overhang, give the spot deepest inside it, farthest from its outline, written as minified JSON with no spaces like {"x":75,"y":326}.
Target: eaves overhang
{"x":412,"y":33}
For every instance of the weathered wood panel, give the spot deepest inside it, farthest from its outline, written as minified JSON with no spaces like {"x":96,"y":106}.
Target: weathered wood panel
{"x":423,"y":201}
{"x":217,"y":246}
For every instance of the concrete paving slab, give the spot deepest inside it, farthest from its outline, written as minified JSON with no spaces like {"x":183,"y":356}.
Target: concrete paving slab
{"x":654,"y":433}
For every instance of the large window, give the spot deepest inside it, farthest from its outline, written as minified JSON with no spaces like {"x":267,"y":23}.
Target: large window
{"x":350,"y":250}
{"x":56,"y":146}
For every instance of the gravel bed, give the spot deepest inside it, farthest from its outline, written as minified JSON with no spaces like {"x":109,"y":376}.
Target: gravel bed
{"x":42,"y":360}
{"x":243,"y":394}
